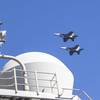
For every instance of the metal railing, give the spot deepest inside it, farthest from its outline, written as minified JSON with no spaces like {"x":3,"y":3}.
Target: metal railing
{"x":13,"y":75}
{"x":79,"y":92}
{"x":15,"y":79}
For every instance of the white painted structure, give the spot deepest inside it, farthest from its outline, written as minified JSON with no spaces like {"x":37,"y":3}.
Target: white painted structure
{"x":44,"y":78}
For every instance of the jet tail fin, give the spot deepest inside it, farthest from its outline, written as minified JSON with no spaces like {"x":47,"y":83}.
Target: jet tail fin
{"x":79,"y":51}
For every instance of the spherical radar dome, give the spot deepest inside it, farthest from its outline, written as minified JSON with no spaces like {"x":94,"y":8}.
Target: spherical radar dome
{"x":43,"y":62}
{"x":33,"y":57}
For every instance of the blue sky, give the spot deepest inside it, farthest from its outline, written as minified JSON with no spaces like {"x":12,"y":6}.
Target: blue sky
{"x":30,"y":25}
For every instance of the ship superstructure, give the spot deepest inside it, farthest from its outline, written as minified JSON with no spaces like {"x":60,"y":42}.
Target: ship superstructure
{"x":37,"y":76}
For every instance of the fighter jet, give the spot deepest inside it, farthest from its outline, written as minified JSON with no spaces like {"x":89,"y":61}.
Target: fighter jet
{"x":75,"y":49}
{"x":68,"y":36}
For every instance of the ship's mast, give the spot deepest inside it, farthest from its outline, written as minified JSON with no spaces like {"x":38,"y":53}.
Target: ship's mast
{"x":2,"y":36}
{"x":3,"y":56}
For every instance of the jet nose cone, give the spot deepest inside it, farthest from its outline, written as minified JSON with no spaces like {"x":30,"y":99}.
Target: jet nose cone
{"x":63,"y":47}
{"x":57,"y":34}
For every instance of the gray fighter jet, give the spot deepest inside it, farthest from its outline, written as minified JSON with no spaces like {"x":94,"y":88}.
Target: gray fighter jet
{"x":75,"y":49}
{"x":69,"y":36}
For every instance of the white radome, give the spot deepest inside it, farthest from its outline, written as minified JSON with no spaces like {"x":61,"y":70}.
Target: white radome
{"x":43,"y":62}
